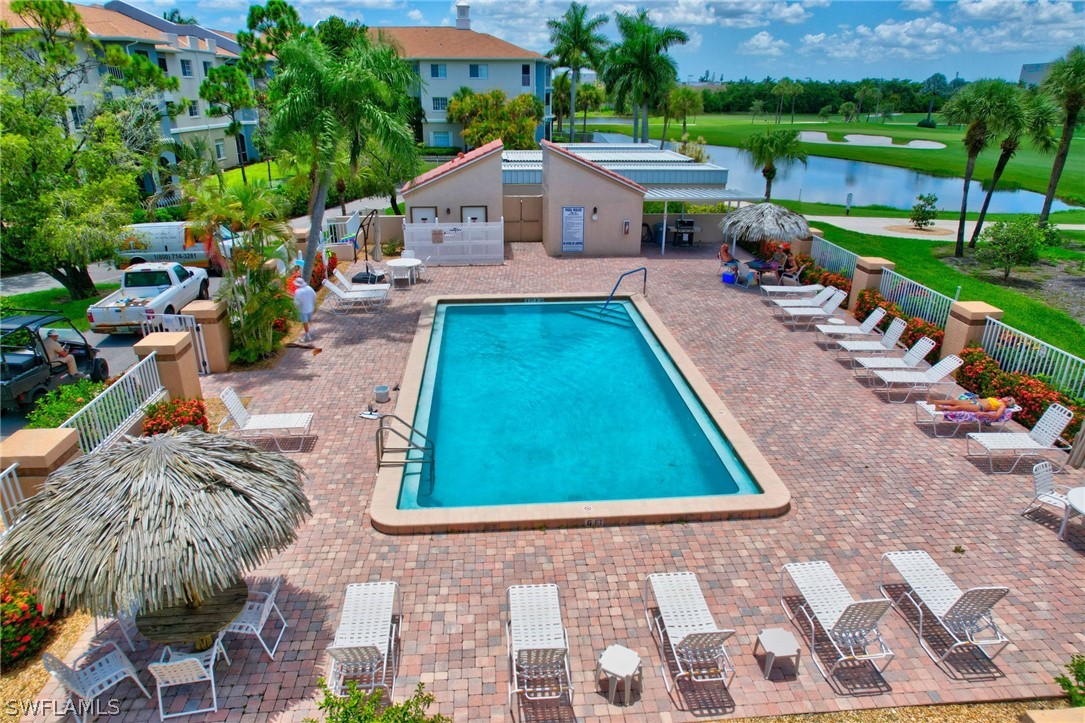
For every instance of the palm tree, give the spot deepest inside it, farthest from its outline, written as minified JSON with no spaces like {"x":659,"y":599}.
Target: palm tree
{"x":781,"y":90}
{"x":983,"y":106}
{"x":756,"y":109}
{"x":1066,"y":84}
{"x":666,"y":107}
{"x":1033,"y":118}
{"x":577,"y":43}
{"x":559,"y":97}
{"x":864,"y":91}
{"x":778,"y":148}
{"x":935,"y":86}
{"x":686,"y":101}
{"x":592,"y":96}
{"x":794,"y":91}
{"x":848,"y":110}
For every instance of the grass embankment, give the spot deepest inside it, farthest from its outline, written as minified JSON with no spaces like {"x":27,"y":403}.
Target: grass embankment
{"x":832,"y":209}
{"x":57,"y":300}
{"x":253,"y":170}
{"x":919,"y":260}
{"x":1028,"y":170}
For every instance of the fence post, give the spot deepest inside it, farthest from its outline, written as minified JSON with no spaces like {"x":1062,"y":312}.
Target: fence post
{"x":868,"y":275}
{"x":217,"y":335}
{"x":176,"y":361}
{"x":39,"y":452}
{"x":965,"y":324}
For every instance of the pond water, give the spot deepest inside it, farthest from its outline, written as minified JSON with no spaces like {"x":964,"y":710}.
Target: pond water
{"x":830,"y":180}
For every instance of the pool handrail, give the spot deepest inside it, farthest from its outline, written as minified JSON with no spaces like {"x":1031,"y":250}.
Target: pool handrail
{"x":425,"y":448}
{"x":644,"y":288}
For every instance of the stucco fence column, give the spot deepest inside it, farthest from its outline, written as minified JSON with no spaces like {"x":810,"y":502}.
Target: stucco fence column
{"x":176,"y":361}
{"x":39,"y":452}
{"x":868,"y":275}
{"x":965,"y":324}
{"x":217,"y":334}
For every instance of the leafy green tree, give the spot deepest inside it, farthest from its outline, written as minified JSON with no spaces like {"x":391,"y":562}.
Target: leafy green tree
{"x":174,"y":16}
{"x":269,"y":27}
{"x":1066,"y":84}
{"x":359,"y":707}
{"x":576,"y":44}
{"x":756,"y":109}
{"x":489,"y":116}
{"x":1012,"y":243}
{"x":936,"y":87}
{"x":337,"y":34}
{"x":227,"y":88}
{"x":924,"y":212}
{"x":385,"y":171}
{"x":773,"y":149}
{"x":983,"y":106}
{"x":686,"y":101}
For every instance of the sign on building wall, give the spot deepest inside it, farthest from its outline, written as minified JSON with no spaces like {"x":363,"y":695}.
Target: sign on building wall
{"x":572,"y":229}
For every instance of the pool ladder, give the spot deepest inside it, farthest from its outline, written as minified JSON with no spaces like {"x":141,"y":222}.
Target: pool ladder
{"x":617,"y":315}
{"x":411,"y":451}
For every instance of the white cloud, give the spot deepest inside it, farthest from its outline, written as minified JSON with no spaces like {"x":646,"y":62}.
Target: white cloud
{"x":694,"y":44}
{"x":763,"y":44}
{"x":918,"y":6}
{"x":815,"y":3}
{"x":416,"y":15}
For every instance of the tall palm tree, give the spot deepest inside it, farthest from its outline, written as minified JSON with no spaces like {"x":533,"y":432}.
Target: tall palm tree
{"x":983,"y":106}
{"x":592,"y":96}
{"x":559,"y":97}
{"x":1066,"y":84}
{"x":1032,"y":118}
{"x":577,"y":44}
{"x":795,"y":91}
{"x":685,"y":102}
{"x":772,"y":150}
{"x":781,"y":90}
{"x":864,"y":91}
{"x":935,"y":86}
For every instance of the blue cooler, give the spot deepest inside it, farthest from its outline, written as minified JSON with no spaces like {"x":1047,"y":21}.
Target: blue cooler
{"x":728,"y":276}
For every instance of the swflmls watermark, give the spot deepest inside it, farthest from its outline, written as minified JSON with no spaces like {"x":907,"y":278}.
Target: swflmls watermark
{"x":97,"y":707}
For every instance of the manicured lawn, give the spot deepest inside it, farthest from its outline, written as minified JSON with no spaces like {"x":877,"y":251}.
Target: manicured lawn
{"x":57,"y":300}
{"x":831,"y":209}
{"x":254,"y":170}
{"x":1028,"y":170}
{"x":918,"y":261}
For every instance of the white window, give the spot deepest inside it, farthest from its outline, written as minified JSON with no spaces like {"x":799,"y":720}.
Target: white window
{"x":478,"y":70}
{"x":194,"y":109}
{"x":440,"y":103}
{"x":525,"y":75}
{"x":441,"y":139}
{"x":186,"y":68}
{"x":438,"y":70}
{"x":220,"y":150}
{"x":79,"y":116}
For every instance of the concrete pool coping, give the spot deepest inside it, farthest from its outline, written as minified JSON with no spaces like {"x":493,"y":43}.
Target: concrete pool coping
{"x":386,"y":517}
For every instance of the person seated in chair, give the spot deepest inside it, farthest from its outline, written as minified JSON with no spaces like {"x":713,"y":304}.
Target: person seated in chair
{"x":726,"y":259}
{"x":58,"y":353}
{"x":791,"y":267}
{"x":987,"y":407}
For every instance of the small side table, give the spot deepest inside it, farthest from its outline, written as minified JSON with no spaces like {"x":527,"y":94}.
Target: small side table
{"x":834,"y":320}
{"x":619,"y":663}
{"x":778,"y":643}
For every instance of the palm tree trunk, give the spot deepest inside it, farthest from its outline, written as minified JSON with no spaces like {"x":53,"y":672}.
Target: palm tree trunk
{"x":1060,"y":161}
{"x":969,"y":168}
{"x":644,"y":126}
{"x":769,"y":172}
{"x":572,"y":104}
{"x":316,"y":223}
{"x":792,"y":110}
{"x":636,"y":122}
{"x":930,"y":108}
{"x":1007,"y":154}
{"x":663,"y":140}
{"x":269,"y":170}
{"x":684,"y":118}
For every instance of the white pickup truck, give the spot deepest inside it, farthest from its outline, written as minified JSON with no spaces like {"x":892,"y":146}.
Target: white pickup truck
{"x":147,"y":290}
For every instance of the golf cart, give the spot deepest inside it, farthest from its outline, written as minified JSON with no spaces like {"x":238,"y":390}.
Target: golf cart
{"x":26,"y":375}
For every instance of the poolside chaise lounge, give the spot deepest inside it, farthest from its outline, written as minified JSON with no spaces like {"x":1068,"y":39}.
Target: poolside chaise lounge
{"x":914,"y":381}
{"x":808,"y":316}
{"x":365,"y":299}
{"x":348,"y":285}
{"x":884,"y":344}
{"x":818,"y":299}
{"x":683,"y":619}
{"x":1041,"y":438}
{"x":296,"y":424}
{"x":965,"y":616}
{"x":366,"y":639}
{"x":772,"y":292}
{"x":850,"y":626}
{"x":925,"y":413}
{"x":836,"y":333}
{"x":537,"y":645}
{"x":912,"y":359}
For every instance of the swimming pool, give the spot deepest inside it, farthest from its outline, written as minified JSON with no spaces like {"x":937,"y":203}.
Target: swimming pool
{"x":541,"y":412}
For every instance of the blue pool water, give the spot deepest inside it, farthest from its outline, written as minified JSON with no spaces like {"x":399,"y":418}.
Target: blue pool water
{"x":545,"y":402}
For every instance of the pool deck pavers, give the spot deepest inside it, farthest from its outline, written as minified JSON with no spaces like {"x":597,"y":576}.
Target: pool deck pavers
{"x":864,"y":480}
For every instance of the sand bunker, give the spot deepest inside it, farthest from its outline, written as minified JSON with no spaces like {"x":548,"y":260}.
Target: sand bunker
{"x":929,"y":231}
{"x":860,"y":139}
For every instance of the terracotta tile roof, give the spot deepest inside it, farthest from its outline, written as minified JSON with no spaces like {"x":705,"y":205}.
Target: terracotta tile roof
{"x":593,"y":166}
{"x":460,"y":161}
{"x":439,"y":42}
{"x":182,"y":42}
{"x":100,"y":22}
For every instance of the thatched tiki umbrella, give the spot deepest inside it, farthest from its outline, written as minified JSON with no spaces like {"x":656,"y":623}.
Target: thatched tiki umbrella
{"x":761,"y":222}
{"x":156,"y":522}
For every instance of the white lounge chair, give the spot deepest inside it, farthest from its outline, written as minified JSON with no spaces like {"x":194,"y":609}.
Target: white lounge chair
{"x":836,"y":333}
{"x":1041,"y":438}
{"x":365,"y":299}
{"x":259,"y":425}
{"x":174,"y":669}
{"x":849,"y":625}
{"x":926,"y":414}
{"x":87,"y":679}
{"x":366,"y":639}
{"x":819,"y":299}
{"x":771,"y":292}
{"x":808,"y":316}
{"x":966,"y":616}
{"x":683,"y":617}
{"x":1046,"y":492}
{"x":348,"y":285}
{"x":919,"y":381}
{"x":884,"y":344}
{"x":254,"y":617}
{"x":912,"y":359}
{"x":537,"y":645}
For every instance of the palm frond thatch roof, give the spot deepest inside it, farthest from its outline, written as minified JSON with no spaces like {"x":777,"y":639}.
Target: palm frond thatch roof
{"x":764,"y":222}
{"x":156,"y":521}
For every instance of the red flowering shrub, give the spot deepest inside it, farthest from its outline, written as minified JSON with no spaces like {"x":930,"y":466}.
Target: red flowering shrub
{"x":918,"y":327}
{"x":318,"y":273}
{"x":164,"y":416}
{"x":333,"y":262}
{"x":23,"y":626}
{"x":279,"y":325}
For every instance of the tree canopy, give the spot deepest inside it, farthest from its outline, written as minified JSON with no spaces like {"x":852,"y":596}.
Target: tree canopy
{"x":489,"y":116}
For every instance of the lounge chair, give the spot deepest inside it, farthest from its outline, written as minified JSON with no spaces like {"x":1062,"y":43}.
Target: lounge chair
{"x":850,"y":626}
{"x":924,"y":381}
{"x":366,"y":639}
{"x":365,"y":299}
{"x":884,"y":344}
{"x":1041,"y":438}
{"x":771,"y":292}
{"x":259,"y":425}
{"x":87,"y":679}
{"x":683,"y":619}
{"x":836,"y":333}
{"x":818,"y":299}
{"x":1046,"y":492}
{"x":912,"y":359}
{"x":537,"y":645}
{"x":808,"y":316}
{"x":965,"y":616}
{"x":926,"y":414}
{"x":348,"y":285}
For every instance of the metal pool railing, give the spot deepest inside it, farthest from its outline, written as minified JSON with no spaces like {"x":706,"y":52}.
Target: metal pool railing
{"x":915,"y":299}
{"x":1017,"y":351}
{"x":831,"y":257}
{"x":11,"y":498}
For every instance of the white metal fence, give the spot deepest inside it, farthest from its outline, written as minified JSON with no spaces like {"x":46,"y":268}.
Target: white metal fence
{"x":114,"y":411}
{"x":915,"y":299}
{"x":833,"y":258}
{"x":11,"y":498}
{"x":464,"y":244}
{"x":1017,"y":351}
{"x":337,"y":228}
{"x":178,"y":323}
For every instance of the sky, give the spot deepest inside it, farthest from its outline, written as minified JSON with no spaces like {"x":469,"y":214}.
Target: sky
{"x":818,"y":39}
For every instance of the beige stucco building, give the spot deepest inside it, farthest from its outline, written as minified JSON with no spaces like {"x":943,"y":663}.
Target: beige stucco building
{"x":467,"y":188}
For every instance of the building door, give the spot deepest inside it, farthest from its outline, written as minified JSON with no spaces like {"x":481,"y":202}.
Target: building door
{"x":474,"y":214}
{"x":423,"y":214}
{"x":523,"y":218}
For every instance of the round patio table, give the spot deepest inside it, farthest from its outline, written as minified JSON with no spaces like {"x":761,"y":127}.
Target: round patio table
{"x":197,"y":625}
{"x":1076,"y":499}
{"x":411,"y":264}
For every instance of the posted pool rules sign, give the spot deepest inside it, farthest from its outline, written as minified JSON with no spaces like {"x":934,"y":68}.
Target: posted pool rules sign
{"x":572,"y":229}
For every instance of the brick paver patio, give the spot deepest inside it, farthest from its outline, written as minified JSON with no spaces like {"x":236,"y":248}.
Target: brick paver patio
{"x":864,"y":480}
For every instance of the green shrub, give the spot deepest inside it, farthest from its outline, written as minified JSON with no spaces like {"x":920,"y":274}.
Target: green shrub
{"x":439,"y":150}
{"x":1075,"y":689}
{"x":927,"y":123}
{"x":24,"y":628}
{"x":59,"y":405}
{"x":359,"y":707}
{"x":161,"y":215}
{"x":392,"y":247}
{"x":925,"y":211}
{"x":164,"y":416}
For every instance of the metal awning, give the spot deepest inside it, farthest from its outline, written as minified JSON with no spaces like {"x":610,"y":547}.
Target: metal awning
{"x":688,"y":194}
